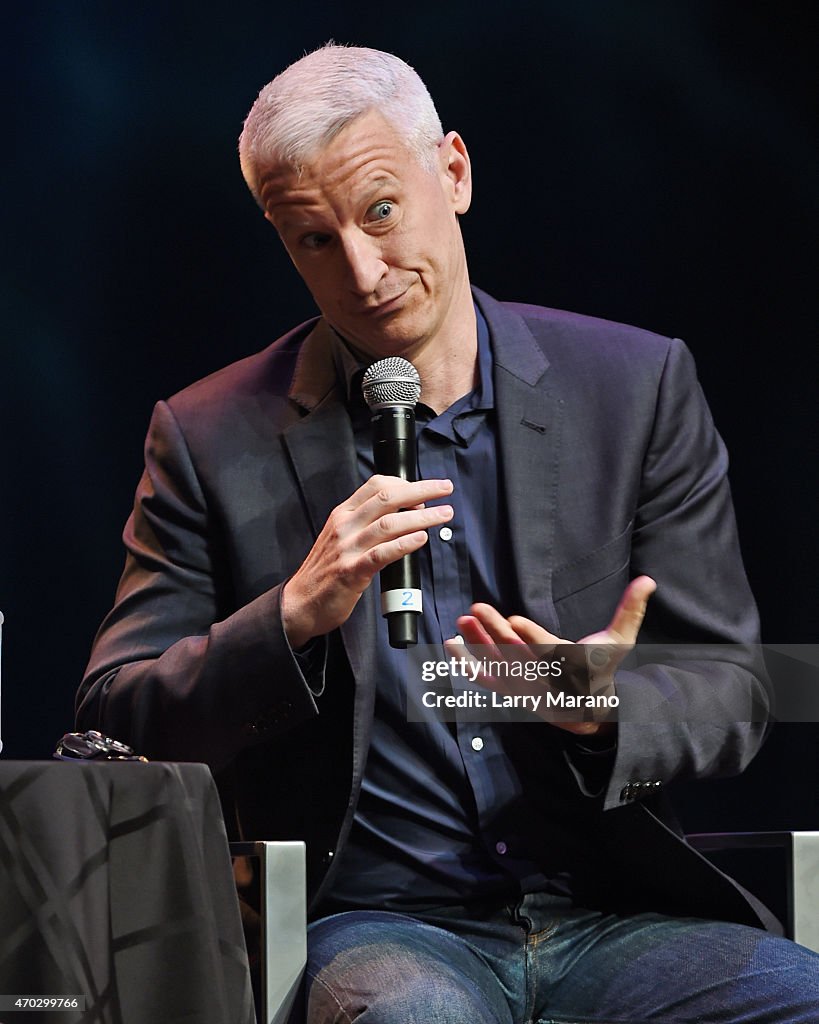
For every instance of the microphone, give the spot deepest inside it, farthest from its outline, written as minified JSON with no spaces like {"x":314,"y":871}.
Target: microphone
{"x":391,"y":388}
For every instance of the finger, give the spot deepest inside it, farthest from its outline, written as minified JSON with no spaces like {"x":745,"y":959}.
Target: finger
{"x":457,"y":648}
{"x":473,"y":633}
{"x":532,"y":633}
{"x":455,"y":645}
{"x":495,"y":625}
{"x":487,"y":629}
{"x":460,"y":647}
{"x":382,"y":494}
{"x":374,"y":559}
{"x":625,"y":625}
{"x":394,"y":525}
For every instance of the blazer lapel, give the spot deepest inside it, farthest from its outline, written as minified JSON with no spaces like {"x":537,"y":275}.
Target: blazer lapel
{"x":322,"y":451}
{"x":529,"y":419}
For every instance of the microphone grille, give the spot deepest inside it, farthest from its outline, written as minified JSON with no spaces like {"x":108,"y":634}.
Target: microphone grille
{"x":391,"y":381}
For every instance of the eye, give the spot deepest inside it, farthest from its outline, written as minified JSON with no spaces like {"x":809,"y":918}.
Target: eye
{"x":380,"y":211}
{"x":315,"y":240}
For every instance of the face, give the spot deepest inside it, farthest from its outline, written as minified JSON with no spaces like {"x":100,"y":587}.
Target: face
{"x":375,"y":236}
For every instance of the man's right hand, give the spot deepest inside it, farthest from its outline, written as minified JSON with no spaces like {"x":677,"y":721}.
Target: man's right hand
{"x":383,"y":520}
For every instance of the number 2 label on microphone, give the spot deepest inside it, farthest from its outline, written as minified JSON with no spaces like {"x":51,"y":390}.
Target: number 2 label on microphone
{"x":403,"y":600}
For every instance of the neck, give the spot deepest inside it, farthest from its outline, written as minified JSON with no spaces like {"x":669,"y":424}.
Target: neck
{"x":448,"y":368}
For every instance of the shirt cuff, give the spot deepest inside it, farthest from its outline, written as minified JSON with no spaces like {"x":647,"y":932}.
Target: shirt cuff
{"x":591,"y":760}
{"x":312,"y":663}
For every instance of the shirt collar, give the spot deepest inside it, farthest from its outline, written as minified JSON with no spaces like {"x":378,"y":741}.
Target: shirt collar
{"x":350,"y":365}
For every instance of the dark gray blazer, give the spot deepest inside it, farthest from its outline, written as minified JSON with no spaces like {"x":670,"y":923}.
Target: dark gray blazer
{"x":612,"y":468}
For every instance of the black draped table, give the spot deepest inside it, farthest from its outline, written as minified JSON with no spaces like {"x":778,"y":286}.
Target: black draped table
{"x":116,"y":886}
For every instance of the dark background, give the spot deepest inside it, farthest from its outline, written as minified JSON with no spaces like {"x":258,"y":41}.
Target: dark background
{"x":648,"y":161}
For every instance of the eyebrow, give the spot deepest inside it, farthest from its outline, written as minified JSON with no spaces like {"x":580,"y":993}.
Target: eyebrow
{"x":380,"y":182}
{"x":370,"y":191}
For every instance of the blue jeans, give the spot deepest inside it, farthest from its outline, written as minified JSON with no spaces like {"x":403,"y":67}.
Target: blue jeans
{"x":544,"y":962}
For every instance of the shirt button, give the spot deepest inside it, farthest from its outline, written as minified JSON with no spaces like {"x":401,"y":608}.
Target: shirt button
{"x":477,"y":743}
{"x":445,"y":533}
{"x":500,"y":848}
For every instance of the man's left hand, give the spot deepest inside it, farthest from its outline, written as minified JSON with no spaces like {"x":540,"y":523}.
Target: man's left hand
{"x":486,"y":627}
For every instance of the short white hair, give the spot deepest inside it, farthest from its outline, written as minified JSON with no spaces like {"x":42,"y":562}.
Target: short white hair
{"x":305,"y":107}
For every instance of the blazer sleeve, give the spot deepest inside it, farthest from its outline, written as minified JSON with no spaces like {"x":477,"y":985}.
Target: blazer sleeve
{"x":697,"y":703}
{"x":175,"y":669}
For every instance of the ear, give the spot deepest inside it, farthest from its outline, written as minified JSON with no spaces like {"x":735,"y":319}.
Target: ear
{"x":456,"y":171}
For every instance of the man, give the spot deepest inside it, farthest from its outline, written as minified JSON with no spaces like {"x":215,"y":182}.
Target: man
{"x":458,"y":872}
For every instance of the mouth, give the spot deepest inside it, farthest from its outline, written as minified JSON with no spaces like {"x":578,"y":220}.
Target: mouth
{"x":385,"y":306}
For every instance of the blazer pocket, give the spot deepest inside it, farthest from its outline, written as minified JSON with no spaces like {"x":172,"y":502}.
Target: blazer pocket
{"x":586,"y":592}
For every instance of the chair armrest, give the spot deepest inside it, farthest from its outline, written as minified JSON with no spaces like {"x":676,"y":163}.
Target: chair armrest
{"x":284,"y":922}
{"x":801,"y":855}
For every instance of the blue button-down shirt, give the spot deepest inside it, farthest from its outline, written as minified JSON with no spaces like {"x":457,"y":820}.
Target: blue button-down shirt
{"x":443,"y":817}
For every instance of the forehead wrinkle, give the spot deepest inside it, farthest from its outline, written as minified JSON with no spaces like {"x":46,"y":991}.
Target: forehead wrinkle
{"x":347,"y":157}
{"x":318,"y":194}
{"x":356,"y":171}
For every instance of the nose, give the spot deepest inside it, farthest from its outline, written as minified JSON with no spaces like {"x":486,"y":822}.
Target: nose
{"x":364,"y":263}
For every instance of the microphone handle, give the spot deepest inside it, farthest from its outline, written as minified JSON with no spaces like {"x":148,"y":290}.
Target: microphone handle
{"x":394,"y":455}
